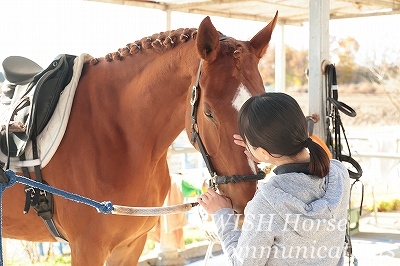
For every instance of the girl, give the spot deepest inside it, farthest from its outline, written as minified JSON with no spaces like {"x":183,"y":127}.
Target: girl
{"x":297,"y":217}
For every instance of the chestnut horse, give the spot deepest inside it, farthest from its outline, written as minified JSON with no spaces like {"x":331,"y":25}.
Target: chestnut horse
{"x":128,"y":108}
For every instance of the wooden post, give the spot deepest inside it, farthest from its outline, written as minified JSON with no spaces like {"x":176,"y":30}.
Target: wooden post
{"x":280,"y":59}
{"x":318,"y":52}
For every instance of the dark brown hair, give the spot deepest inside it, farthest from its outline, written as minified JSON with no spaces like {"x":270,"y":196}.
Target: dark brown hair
{"x":275,"y":122}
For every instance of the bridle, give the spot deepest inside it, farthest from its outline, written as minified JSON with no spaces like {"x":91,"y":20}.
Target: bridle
{"x":333,"y":115}
{"x":215,"y":179}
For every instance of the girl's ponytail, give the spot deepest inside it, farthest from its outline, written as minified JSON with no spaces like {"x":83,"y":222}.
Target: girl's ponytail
{"x":319,"y":159}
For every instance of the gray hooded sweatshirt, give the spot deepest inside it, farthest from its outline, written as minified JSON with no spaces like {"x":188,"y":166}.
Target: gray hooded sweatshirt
{"x":294,"y":219}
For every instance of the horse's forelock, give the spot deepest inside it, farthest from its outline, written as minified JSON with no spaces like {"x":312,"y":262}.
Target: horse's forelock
{"x":228,"y":46}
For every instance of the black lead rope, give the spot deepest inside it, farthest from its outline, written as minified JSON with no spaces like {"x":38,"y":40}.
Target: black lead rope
{"x":335,"y":127}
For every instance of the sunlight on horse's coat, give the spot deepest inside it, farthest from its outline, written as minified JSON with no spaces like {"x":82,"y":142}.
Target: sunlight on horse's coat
{"x":241,"y":96}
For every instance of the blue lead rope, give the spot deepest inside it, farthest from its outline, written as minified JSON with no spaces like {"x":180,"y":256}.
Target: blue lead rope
{"x":105,"y":207}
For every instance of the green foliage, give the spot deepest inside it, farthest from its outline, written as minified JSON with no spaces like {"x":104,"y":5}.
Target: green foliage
{"x":396,"y":204}
{"x":50,"y":261}
{"x":192,"y":240}
{"x":296,"y":65}
{"x":386,"y":206}
{"x":60,"y":260}
{"x":149,"y":246}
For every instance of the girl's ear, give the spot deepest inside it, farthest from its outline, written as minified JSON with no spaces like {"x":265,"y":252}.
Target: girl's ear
{"x":266,"y":157}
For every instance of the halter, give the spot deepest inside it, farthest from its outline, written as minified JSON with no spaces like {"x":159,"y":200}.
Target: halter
{"x":215,"y":179}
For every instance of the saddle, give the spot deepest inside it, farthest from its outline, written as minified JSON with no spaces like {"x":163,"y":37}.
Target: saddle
{"x":20,"y":70}
{"x":36,"y":95}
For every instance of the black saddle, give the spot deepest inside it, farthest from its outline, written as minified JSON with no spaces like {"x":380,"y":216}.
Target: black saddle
{"x":29,"y":114}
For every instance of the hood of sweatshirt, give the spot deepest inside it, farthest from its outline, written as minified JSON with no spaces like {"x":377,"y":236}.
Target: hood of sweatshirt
{"x":307,"y":203}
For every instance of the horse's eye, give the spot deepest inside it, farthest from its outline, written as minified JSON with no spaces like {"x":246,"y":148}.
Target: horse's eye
{"x":209,"y":114}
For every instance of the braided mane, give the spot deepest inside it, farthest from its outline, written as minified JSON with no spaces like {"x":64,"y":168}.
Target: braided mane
{"x":159,"y":42}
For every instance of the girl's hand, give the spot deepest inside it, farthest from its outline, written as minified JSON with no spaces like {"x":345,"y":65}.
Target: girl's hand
{"x":239,"y":141}
{"x":211,"y":201}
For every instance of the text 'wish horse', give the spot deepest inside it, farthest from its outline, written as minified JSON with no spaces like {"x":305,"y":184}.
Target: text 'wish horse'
{"x":127,"y":109}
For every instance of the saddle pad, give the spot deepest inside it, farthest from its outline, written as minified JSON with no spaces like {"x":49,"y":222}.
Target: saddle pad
{"x":50,"y":138}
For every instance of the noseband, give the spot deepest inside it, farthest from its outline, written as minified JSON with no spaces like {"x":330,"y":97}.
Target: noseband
{"x":215,"y":179}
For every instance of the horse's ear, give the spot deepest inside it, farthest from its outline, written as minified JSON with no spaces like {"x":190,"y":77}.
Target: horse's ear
{"x":261,"y":40}
{"x":207,"y":40}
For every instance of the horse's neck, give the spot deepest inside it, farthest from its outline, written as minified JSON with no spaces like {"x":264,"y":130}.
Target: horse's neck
{"x":158,"y":96}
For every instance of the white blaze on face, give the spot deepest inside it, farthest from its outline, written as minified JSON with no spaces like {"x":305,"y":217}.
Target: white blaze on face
{"x":252,"y":165}
{"x":241,"y":96}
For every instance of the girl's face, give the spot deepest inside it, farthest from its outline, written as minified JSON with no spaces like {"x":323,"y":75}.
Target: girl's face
{"x":261,"y":154}
{"x":255,"y":152}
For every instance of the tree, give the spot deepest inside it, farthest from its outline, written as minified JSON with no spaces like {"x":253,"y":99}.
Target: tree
{"x":296,"y":64}
{"x":345,"y":50}
{"x":266,"y":67}
{"x":385,"y":74}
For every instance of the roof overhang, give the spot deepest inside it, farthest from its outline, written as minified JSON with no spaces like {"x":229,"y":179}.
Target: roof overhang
{"x":292,"y":12}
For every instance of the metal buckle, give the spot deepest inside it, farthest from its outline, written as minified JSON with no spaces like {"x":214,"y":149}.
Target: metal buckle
{"x":212,"y":182}
{"x":193,"y":99}
{"x":30,"y":189}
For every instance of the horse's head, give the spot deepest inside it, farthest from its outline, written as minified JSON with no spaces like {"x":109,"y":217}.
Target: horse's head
{"x":228,"y":75}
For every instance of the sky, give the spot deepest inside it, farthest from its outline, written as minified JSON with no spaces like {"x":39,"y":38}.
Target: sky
{"x":43,"y":29}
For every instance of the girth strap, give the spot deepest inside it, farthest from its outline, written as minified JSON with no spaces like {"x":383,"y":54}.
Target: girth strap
{"x":41,"y":201}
